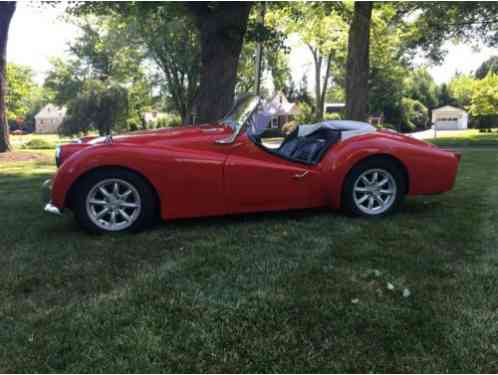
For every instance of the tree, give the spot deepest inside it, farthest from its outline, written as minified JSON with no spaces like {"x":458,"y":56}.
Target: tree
{"x":274,"y":60}
{"x":414,"y":115}
{"x":7,"y":10}
{"x":21,"y":90}
{"x":488,"y":66}
{"x":323,"y":30}
{"x":105,"y":59}
{"x":460,"y":90}
{"x":419,"y":85}
{"x":444,"y":95}
{"x":357,"y":66}
{"x":221,"y":27}
{"x":99,"y":106}
{"x":173,"y":44}
{"x":484,"y":100}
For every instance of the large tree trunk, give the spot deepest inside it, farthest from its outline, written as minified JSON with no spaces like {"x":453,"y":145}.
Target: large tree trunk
{"x":358,"y":65}
{"x":222,"y":27}
{"x":6,"y":12}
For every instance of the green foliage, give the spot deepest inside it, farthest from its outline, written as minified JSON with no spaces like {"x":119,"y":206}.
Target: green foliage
{"x":65,"y":79}
{"x":414,"y":115}
{"x":332,"y":116}
{"x":419,"y":85}
{"x":166,"y":121}
{"x":488,"y":66}
{"x":306,"y":114}
{"x":460,"y":90}
{"x":22,"y":91}
{"x":98,"y":107}
{"x":323,"y":29}
{"x":388,"y":63}
{"x":484,"y":100}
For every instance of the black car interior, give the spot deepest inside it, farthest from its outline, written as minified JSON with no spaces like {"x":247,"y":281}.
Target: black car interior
{"x":308,"y":149}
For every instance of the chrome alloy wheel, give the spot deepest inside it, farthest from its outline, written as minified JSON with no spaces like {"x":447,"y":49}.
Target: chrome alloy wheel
{"x":113,"y":204}
{"x":374,"y":191}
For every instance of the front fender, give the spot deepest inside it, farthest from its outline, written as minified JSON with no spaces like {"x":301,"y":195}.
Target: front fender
{"x":146,"y":161}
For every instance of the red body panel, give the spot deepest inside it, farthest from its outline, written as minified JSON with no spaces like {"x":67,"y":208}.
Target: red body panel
{"x":196,"y":176}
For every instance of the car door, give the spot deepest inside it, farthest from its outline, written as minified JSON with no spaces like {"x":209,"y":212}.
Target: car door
{"x":257,"y":180}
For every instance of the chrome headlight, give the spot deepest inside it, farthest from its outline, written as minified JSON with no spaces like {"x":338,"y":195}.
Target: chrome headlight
{"x":58,"y":155}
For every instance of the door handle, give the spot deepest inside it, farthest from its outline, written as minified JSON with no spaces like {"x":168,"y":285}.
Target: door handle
{"x":300,"y":175}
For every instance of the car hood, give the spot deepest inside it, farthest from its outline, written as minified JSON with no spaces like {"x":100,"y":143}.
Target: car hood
{"x":178,"y":135}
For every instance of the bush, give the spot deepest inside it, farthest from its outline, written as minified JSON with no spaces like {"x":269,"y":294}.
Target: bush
{"x":167,"y":121}
{"x":414,"y":115}
{"x":332,"y":116}
{"x":38,"y":144}
{"x":306,"y":115}
{"x":133,"y":124}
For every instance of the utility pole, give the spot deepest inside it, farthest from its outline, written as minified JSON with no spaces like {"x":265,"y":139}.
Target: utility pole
{"x":259,"y":49}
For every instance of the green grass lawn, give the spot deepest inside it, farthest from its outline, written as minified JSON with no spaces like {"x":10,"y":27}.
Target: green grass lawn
{"x":254,"y":293}
{"x":463,"y":138}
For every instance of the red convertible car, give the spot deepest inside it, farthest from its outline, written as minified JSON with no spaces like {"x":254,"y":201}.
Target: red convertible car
{"x":238,"y":165}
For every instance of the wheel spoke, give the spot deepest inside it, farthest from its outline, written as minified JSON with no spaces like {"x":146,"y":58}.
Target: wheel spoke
{"x":124,"y":215}
{"x":104,"y":191}
{"x":383,"y":182}
{"x":375,"y":177}
{"x":370,"y":202}
{"x":360,"y":189}
{"x":100,"y":214}
{"x":365,"y":180}
{"x":379,"y":200}
{"x":129,"y":205}
{"x":115,"y":189}
{"x":363,"y":199}
{"x":97,"y":202}
{"x":386,"y":191}
{"x":113,"y":217}
{"x":126,"y":194}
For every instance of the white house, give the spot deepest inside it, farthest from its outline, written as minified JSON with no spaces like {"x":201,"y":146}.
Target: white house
{"x":280,"y":110}
{"x":450,"y":118}
{"x":154,"y":116}
{"x":49,"y":119}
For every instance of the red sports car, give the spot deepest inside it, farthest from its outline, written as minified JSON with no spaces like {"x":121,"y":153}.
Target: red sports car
{"x":239,"y":165}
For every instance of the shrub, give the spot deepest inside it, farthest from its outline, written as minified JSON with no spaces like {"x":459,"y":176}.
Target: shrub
{"x":38,"y":144}
{"x":332,"y":116}
{"x":414,"y":115}
{"x":167,"y":121}
{"x":306,"y":115}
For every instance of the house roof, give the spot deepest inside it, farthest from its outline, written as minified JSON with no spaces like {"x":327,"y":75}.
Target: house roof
{"x":448,"y":108}
{"x":51,"y":111}
{"x":279,"y":106}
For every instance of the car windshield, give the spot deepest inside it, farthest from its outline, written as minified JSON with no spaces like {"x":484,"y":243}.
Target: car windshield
{"x":241,"y":111}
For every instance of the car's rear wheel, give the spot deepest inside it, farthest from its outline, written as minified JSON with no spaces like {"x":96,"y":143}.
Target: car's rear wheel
{"x":375,"y":187}
{"x":114,"y":200}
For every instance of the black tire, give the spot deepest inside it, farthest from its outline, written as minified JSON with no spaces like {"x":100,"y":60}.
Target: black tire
{"x":149,"y":203}
{"x":349,"y":204}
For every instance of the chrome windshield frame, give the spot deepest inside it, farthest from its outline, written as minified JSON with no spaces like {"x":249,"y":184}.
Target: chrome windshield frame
{"x":254,"y":103}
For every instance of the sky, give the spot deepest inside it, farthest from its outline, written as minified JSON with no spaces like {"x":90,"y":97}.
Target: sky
{"x":38,"y":33}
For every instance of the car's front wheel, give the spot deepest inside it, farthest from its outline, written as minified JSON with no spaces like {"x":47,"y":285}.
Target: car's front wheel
{"x":374,"y":188}
{"x":114,"y":201}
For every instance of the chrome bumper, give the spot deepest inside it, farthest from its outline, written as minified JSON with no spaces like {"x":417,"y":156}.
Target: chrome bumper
{"x":49,"y":207}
